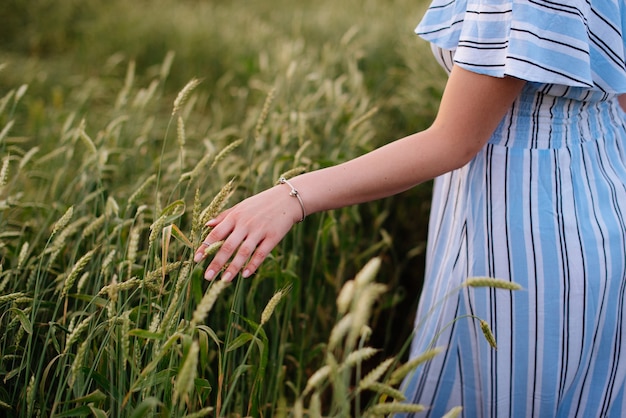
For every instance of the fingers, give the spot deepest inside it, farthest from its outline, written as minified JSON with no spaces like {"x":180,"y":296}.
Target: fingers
{"x":214,"y":237}
{"x":261,"y":253}
{"x":239,"y":247}
{"x":245,"y":252}
{"x":245,"y":234}
{"x":249,"y":254}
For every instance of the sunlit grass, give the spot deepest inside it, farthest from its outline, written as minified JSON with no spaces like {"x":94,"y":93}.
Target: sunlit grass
{"x":112,"y":160}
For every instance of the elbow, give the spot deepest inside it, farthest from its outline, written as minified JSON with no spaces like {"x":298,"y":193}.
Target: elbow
{"x":458,"y":146}
{"x":462,"y":153}
{"x":468,"y":154}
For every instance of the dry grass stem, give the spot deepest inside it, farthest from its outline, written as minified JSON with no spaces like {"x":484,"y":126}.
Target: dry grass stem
{"x":208,"y":300}
{"x":183,"y":94}
{"x":113,"y":291}
{"x":30,"y":395}
{"x":11,"y":297}
{"x":454,"y":412}
{"x":264,"y":112}
{"x":362,"y":119}
{"x":166,"y":65}
{"x":94,"y":226}
{"x":292,"y":173}
{"x":21,"y":91}
{"x":133,"y":244}
{"x":63,"y":221}
{"x":157,"y":274}
{"x":125,"y":332}
{"x":115,"y":287}
{"x":82,"y":281}
{"x":204,"y":412}
{"x":339,"y":331}
{"x":75,"y":333}
{"x":315,"y":406}
{"x":144,"y":95}
{"x":122,"y":97}
{"x":491,"y":282}
{"x":5,"y":99}
{"x":317,"y":378}
{"x":271,"y":306}
{"x":21,"y":258}
{"x":155,"y":229}
{"x":345,"y":297}
{"x":159,"y":353}
{"x":4,"y":172}
{"x":91,"y":146}
{"x":196,"y":224}
{"x":217,"y":203}
{"x":111,"y":209}
{"x":213,"y":248}
{"x":169,"y":316}
{"x":6,"y":130}
{"x":187,"y":374}
{"x":78,"y":267}
{"x":298,"y":409}
{"x":141,"y":189}
{"x":484,"y":326}
{"x":368,"y":272}
{"x":297,"y":158}
{"x":183,"y":275}
{"x":384,"y":389}
{"x":401,"y":372}
{"x":227,"y":150}
{"x":154,"y":324}
{"x":198,"y":169}
{"x":362,"y":308}
{"x":63,"y":237}
{"x":24,"y":300}
{"x":376,"y":374}
{"x":180,"y":133}
{"x":108,"y":260}
{"x":384,"y":409}
{"x":359,"y":356}
{"x":27,"y":157}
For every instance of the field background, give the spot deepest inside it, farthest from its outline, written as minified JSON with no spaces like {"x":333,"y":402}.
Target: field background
{"x":123,"y":126}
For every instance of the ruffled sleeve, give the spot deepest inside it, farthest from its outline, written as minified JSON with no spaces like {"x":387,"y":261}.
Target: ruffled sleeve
{"x":578,"y":43}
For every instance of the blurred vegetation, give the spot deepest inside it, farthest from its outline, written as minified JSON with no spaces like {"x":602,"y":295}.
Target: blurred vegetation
{"x":88,"y":88}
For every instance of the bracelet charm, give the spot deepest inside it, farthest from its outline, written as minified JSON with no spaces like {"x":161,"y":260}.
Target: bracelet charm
{"x":294,"y":192}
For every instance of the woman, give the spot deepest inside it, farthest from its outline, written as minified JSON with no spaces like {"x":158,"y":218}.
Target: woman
{"x":529,"y":154}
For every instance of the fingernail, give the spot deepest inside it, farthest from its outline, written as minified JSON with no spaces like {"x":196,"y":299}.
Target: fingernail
{"x":227,"y":276}
{"x":209,"y":274}
{"x":210,"y":221}
{"x":245,"y":274}
{"x":198,"y":257}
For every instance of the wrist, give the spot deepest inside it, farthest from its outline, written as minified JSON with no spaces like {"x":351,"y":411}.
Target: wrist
{"x":294,"y":193}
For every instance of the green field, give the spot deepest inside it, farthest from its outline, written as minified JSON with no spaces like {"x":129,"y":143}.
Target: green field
{"x":124,"y":126}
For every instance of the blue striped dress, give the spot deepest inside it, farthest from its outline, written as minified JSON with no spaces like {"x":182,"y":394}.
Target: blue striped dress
{"x":542,"y":204}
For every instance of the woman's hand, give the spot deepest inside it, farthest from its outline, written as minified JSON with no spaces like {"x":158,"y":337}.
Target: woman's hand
{"x":250,"y":230}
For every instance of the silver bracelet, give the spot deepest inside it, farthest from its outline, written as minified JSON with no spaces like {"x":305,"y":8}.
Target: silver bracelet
{"x":295,"y":194}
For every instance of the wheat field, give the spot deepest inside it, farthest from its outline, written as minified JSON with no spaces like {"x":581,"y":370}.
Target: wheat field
{"x":124,"y":127}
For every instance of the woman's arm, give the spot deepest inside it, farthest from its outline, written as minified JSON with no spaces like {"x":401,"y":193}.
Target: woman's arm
{"x":471,"y":108}
{"x":622,"y":101}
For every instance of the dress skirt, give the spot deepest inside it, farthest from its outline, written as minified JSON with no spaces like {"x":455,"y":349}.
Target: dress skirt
{"x":543,"y":205}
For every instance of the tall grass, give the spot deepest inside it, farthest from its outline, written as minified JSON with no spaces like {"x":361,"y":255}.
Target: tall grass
{"x":108,"y":173}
